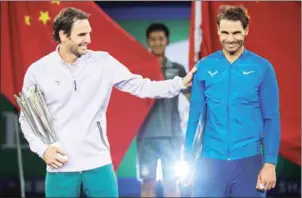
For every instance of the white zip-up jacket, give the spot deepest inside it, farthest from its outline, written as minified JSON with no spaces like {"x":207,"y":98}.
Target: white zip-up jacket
{"x":77,"y":98}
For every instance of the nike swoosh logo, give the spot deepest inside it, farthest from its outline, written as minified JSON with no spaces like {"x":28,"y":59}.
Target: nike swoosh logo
{"x":248,"y":72}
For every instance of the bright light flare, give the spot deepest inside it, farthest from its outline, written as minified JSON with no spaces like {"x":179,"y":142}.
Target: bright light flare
{"x":182,"y":170}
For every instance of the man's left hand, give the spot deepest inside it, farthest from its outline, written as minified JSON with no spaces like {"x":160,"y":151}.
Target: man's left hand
{"x":187,"y":80}
{"x":267,"y":177}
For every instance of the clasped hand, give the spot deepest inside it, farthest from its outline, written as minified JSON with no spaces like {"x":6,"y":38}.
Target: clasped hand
{"x":54,"y":156}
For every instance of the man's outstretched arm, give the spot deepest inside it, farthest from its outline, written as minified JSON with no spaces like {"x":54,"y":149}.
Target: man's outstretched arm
{"x":141,"y":87}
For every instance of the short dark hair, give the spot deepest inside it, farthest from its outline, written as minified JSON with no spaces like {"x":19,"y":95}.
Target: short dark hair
{"x":233,"y":13}
{"x":154,"y":27}
{"x":64,"y":21}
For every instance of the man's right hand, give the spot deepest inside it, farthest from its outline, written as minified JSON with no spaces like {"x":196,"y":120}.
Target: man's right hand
{"x":187,"y":80}
{"x":54,"y":156}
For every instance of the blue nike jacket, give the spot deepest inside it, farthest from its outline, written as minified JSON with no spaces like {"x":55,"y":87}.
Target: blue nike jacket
{"x":242,"y":107}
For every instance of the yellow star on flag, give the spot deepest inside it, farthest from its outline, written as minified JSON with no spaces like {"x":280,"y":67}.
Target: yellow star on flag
{"x":44,"y":17}
{"x":55,"y":2}
{"x":27,"y":20}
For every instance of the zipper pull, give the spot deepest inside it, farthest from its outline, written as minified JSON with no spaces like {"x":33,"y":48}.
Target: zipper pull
{"x":75,"y":85}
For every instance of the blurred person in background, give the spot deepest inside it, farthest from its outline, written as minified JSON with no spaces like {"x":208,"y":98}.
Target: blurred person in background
{"x":238,"y":90}
{"x":161,"y":136}
{"x":76,"y":84}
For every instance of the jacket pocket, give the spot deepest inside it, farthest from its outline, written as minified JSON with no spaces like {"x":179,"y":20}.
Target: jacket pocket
{"x":102,"y":135}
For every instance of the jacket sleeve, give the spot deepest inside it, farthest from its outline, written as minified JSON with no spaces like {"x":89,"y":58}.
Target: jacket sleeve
{"x":197,"y":103}
{"x":36,"y":145}
{"x":269,"y":102}
{"x":141,"y":87}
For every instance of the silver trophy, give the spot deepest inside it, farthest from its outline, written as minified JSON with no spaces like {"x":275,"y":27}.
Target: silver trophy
{"x":197,"y":141}
{"x":35,"y":110}
{"x":197,"y":145}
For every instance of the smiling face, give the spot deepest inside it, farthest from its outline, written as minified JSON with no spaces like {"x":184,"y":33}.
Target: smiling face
{"x":231,"y":35}
{"x":79,"y":38}
{"x":158,"y":41}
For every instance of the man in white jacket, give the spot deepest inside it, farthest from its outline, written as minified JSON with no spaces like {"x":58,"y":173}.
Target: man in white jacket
{"x":76,"y":84}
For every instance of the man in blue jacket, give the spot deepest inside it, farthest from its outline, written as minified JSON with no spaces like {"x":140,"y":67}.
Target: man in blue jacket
{"x":238,"y":91}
